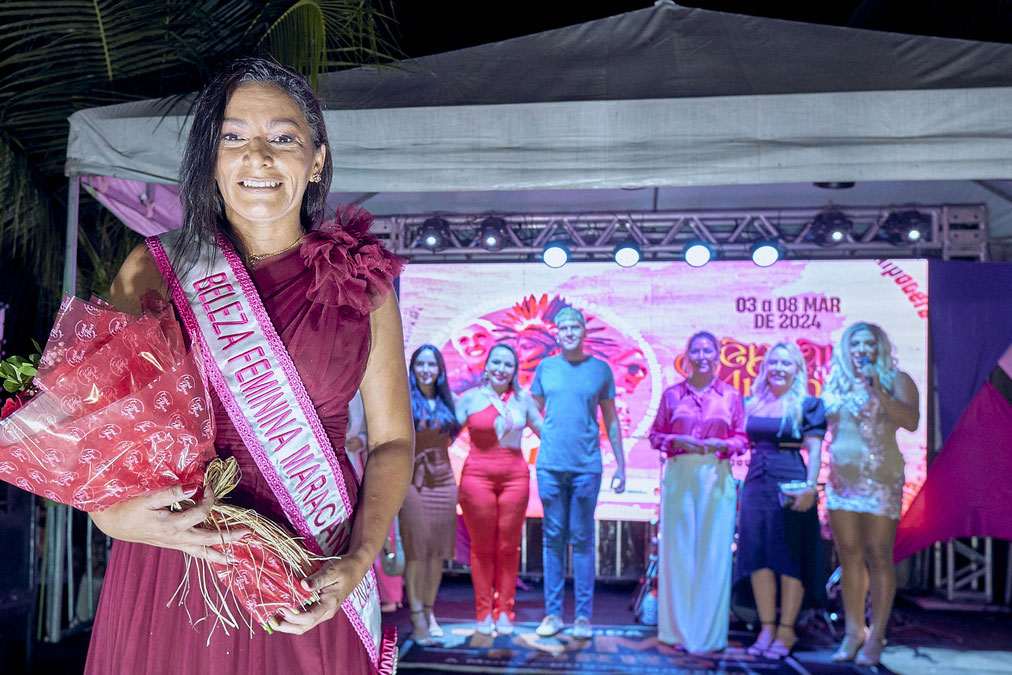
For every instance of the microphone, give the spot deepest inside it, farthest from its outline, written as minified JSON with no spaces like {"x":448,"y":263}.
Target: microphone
{"x":864,"y":361}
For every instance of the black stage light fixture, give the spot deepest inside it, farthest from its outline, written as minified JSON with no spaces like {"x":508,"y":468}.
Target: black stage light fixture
{"x":555,"y":253}
{"x":434,"y":233}
{"x":698,"y":253}
{"x":766,"y":252}
{"x":492,"y":233}
{"x":906,"y":227}
{"x":831,"y":228}
{"x":627,"y":253}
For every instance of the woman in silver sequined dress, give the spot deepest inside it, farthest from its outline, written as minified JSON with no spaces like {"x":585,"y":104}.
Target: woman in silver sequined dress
{"x":867,"y":399}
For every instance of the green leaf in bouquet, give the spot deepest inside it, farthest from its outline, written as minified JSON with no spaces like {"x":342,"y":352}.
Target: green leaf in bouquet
{"x":11,"y":386}
{"x":29,"y":370}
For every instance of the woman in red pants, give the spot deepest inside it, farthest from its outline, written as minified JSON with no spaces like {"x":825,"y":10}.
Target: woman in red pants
{"x":495,"y":484}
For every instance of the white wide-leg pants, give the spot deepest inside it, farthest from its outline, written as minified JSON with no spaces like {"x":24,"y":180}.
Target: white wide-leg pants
{"x":698,"y":502}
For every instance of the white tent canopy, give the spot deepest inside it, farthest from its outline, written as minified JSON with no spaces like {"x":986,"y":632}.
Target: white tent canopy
{"x":663,"y":97}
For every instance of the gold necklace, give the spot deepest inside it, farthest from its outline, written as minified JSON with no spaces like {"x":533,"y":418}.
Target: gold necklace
{"x":254,"y":259}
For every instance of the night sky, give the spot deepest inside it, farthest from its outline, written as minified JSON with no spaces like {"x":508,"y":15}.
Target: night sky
{"x":432,"y":26}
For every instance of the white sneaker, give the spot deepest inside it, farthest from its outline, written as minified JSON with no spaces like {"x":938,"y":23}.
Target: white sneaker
{"x":550,"y":625}
{"x":486,"y":627}
{"x":582,"y":629}
{"x":503,"y":625}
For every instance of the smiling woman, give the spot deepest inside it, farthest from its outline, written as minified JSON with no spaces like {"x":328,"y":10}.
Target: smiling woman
{"x":495,"y":485}
{"x":428,"y":518}
{"x":778,"y":534}
{"x":868,"y":398}
{"x":266,"y":159}
{"x":698,"y":428}
{"x":282,"y":308}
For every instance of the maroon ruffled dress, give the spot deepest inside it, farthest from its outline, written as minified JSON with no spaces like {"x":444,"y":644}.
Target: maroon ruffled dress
{"x":318,"y":297}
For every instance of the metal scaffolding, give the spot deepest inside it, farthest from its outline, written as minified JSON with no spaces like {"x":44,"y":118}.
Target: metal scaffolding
{"x":950,"y":231}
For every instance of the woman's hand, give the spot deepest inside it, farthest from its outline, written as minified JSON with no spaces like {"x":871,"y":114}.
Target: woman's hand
{"x":714,"y":445}
{"x":148,"y":520}
{"x":687,"y":443}
{"x":334,"y":582}
{"x":869,"y":377}
{"x":803,"y":499}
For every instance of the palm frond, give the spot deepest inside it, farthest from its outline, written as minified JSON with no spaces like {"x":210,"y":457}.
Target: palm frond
{"x":26,"y":218}
{"x":60,"y":56}
{"x":298,"y":38}
{"x":315,"y":36}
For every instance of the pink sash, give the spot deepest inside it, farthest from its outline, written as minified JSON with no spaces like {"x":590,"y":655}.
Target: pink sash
{"x":267,"y":402}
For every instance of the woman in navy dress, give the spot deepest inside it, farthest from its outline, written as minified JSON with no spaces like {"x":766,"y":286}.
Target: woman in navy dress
{"x":779,"y":534}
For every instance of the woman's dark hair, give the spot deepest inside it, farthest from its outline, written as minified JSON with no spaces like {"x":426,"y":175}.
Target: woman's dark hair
{"x":203,"y":207}
{"x":443,"y":417}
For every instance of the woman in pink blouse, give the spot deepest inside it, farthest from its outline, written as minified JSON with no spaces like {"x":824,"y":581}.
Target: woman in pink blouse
{"x":699,"y":426}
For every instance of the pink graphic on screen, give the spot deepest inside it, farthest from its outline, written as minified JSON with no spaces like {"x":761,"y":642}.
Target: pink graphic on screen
{"x":638,"y":321}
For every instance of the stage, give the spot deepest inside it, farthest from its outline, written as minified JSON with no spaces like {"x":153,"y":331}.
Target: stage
{"x":920,"y":642}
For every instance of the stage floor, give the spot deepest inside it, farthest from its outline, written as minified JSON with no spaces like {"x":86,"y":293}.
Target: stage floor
{"x":920,"y":642}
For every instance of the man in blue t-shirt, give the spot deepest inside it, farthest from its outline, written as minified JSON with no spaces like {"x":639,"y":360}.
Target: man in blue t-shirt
{"x":569,"y":388}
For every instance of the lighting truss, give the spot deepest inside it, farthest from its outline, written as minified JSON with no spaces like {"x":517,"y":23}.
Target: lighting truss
{"x":956,"y":230}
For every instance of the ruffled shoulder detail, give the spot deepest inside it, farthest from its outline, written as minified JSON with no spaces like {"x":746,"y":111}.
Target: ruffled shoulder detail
{"x":351,"y":267}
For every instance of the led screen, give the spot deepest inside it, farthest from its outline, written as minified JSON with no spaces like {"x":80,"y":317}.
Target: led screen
{"x":639,"y":320}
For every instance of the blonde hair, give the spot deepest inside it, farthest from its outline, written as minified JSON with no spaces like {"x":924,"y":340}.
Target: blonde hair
{"x":841,"y":375}
{"x":793,"y":398}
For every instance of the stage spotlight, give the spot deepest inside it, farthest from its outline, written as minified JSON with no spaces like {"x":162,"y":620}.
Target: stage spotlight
{"x":492,"y":234}
{"x":627,"y":253}
{"x":697,"y":254}
{"x":830,"y":228}
{"x":766,"y":252}
{"x":555,"y":254}
{"x":434,"y":233}
{"x":906,"y":227}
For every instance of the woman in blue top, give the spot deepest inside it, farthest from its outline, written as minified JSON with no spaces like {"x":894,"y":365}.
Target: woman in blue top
{"x":779,"y":531}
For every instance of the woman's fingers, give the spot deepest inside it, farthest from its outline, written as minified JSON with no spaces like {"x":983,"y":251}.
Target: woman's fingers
{"x":329,"y":575}
{"x":297,"y":622}
{"x":148,"y":520}
{"x":803,"y":500}
{"x":207,"y":553}
{"x":195,"y":514}
{"x":163,"y":499}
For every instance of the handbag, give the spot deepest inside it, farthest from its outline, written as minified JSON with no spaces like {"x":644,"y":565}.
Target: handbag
{"x":392,"y":556}
{"x":791,"y":486}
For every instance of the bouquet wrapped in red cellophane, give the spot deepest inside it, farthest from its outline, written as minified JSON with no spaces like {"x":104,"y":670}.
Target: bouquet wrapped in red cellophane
{"x":268,"y":562}
{"x":122,"y":410}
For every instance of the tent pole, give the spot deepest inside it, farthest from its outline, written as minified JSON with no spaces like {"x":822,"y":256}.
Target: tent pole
{"x":70,"y":249}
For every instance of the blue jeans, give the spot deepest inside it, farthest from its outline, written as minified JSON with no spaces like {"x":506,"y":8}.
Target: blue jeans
{"x":569,"y":499}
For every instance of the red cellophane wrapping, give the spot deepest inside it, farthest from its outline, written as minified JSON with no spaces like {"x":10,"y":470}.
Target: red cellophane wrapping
{"x":123,"y":410}
{"x":268,"y":563}
{"x":262,"y":582}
